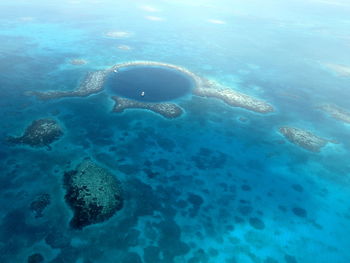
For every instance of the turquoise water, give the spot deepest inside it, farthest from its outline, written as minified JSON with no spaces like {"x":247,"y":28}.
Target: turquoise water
{"x":205,"y":187}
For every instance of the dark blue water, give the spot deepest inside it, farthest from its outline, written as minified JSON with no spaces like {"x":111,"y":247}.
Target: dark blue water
{"x":158,"y":84}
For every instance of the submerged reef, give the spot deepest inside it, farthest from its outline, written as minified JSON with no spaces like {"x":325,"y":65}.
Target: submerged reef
{"x":124,"y":47}
{"x":118,"y":34}
{"x":57,"y":239}
{"x":93,"y":193}
{"x":339,"y":69}
{"x":303,"y":138}
{"x":336,"y":112}
{"x":40,"y":133}
{"x":231,"y":97}
{"x":168,"y":110}
{"x":38,"y":205}
{"x":78,"y":61}
{"x":35,"y":258}
{"x":94,"y":83}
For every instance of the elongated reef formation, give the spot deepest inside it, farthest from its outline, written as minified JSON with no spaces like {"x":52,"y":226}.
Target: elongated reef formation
{"x":93,"y":83}
{"x":231,"y":97}
{"x":303,"y":138}
{"x":336,"y":112}
{"x":167,"y":110}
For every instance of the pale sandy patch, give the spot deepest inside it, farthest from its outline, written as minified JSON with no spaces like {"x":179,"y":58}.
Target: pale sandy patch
{"x":154,"y":18}
{"x":118,"y":34}
{"x":96,"y":2}
{"x":74,"y":2}
{"x":339,"y":69}
{"x":332,"y":2}
{"x":216,"y":21}
{"x":149,"y":8}
{"x":124,"y":47}
{"x":27,"y":18}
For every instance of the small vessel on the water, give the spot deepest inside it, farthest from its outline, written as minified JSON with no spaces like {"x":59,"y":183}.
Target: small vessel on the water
{"x":115,"y":71}
{"x":142,"y":94}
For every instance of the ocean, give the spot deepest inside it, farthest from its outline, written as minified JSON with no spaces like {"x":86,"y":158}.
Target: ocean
{"x":218,"y":184}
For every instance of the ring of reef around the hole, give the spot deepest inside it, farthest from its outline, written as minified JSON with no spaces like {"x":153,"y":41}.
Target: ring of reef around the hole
{"x":93,"y":83}
{"x":203,"y":87}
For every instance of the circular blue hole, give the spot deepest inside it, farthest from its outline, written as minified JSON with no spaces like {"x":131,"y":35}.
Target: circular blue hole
{"x":149,"y":83}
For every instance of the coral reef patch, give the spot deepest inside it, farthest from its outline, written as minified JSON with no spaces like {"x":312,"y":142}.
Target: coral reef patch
{"x":35,"y":258}
{"x":213,"y":89}
{"x":39,"y":204}
{"x":40,"y":133}
{"x":57,"y":239}
{"x":298,"y":211}
{"x":93,"y":83}
{"x":290,"y":259}
{"x":303,"y":138}
{"x":124,"y":47}
{"x":256,"y":223}
{"x":118,"y":34}
{"x":208,"y":159}
{"x":78,"y":61}
{"x":93,"y":193}
{"x":167,"y":110}
{"x":336,"y":112}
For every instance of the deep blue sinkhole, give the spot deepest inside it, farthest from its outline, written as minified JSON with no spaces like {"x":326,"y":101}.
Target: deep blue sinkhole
{"x":149,"y":83}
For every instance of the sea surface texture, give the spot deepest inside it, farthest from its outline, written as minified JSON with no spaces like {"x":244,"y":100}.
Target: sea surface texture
{"x":243,"y":156}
